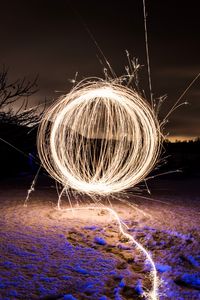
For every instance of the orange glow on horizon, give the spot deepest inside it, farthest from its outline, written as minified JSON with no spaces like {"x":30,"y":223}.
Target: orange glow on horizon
{"x":181,"y":138}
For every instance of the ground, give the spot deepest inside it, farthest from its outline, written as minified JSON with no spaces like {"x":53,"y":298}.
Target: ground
{"x":51,"y":254}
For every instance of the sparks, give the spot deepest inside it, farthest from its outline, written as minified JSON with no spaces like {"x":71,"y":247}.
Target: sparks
{"x":100,"y":139}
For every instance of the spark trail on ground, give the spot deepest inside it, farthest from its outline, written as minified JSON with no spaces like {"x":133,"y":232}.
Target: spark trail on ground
{"x":152,"y":294}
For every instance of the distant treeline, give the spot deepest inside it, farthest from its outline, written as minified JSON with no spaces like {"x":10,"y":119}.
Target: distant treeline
{"x":18,"y":153}
{"x":182,"y":155}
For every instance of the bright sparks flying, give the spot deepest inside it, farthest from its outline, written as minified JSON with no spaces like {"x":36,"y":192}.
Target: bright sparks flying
{"x":99,"y":139}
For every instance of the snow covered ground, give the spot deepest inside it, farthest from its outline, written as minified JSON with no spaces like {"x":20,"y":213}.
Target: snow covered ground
{"x":51,"y":254}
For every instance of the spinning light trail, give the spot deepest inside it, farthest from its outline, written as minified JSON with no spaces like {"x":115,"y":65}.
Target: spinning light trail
{"x":101,"y":138}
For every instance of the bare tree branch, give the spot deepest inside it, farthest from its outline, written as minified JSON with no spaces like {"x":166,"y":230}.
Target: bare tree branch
{"x":13,"y":91}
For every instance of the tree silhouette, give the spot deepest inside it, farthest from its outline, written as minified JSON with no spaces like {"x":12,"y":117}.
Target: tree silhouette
{"x":12,"y":92}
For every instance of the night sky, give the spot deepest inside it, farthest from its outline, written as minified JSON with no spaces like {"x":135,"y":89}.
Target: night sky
{"x":50,"y":38}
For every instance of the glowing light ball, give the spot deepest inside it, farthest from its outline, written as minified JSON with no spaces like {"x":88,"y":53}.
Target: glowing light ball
{"x":101,"y":138}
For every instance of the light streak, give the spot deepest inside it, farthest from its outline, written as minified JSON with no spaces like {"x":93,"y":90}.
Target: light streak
{"x":147,"y":52}
{"x":32,"y":187}
{"x":99,"y":139}
{"x":152,"y":294}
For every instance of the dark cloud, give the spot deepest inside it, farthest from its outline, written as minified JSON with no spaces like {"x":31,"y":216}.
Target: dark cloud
{"x":52,"y":38}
